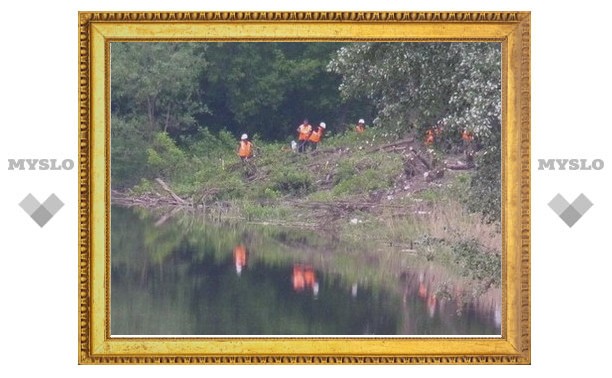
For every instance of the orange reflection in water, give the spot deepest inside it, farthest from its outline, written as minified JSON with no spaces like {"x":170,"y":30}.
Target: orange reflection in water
{"x":427,"y":294}
{"x":304,"y":278}
{"x":240,"y":257}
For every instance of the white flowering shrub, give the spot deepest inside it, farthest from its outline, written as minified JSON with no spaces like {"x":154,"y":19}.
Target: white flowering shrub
{"x":414,"y":85}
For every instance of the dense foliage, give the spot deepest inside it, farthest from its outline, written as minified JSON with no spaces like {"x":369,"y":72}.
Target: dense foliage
{"x":415,"y":85}
{"x":177,"y":109}
{"x":268,"y":88}
{"x":189,"y":91}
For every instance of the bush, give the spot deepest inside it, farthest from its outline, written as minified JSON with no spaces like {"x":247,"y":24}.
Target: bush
{"x":230,"y":187}
{"x":351,"y":139}
{"x":485,"y":186}
{"x":365,"y":173}
{"x":271,"y":153}
{"x":212,"y":176}
{"x":477,"y":262}
{"x":208,"y":145}
{"x":291,"y":181}
{"x":366,"y":181}
{"x":345,"y":171}
{"x":144,"y":186}
{"x":267,"y":194}
{"x":255,"y":212}
{"x":165,"y":158}
{"x":431,"y":195}
{"x":128,"y":153}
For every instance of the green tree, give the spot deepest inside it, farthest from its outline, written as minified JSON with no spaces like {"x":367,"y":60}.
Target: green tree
{"x":268,"y":88}
{"x":158,"y":80}
{"x":414,"y":85}
{"x":154,"y":88}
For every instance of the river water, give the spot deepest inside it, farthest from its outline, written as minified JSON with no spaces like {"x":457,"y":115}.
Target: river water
{"x":183,"y":275}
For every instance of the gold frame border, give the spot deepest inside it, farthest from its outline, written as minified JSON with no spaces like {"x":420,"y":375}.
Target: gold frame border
{"x":97,"y":29}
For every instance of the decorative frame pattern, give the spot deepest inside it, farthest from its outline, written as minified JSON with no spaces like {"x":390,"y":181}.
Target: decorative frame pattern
{"x":97,"y":29}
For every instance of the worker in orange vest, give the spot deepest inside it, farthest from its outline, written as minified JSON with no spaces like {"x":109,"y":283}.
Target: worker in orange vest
{"x":360,"y":126}
{"x":240,"y":257}
{"x":429,"y":137}
{"x":435,"y":132}
{"x":304,"y":130}
{"x":467,"y":136}
{"x":316,"y":135}
{"x":245,"y":148}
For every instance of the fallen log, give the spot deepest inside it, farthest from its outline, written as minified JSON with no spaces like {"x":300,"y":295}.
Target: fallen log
{"x":421,"y":159}
{"x":167,"y":189}
{"x":395,"y":149}
{"x":390,"y":145}
{"x":433,"y":175}
{"x":325,"y":151}
{"x":459,"y":166}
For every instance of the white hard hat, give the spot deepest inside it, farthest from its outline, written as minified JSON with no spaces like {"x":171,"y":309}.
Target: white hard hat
{"x":361,"y":121}
{"x":244,"y":137}
{"x":322,"y":124}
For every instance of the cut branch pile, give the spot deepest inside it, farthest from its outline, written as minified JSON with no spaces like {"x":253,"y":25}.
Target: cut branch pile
{"x":154,"y":199}
{"x":400,"y":145}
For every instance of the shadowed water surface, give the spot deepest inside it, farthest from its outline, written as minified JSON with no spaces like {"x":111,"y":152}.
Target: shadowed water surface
{"x":184,"y":276}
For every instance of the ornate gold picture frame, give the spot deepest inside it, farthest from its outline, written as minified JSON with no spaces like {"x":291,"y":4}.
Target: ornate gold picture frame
{"x":98,"y":29}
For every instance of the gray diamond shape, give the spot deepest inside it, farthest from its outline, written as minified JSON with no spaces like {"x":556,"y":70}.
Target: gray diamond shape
{"x":570,"y":216}
{"x":41,"y":216}
{"x":582,"y":204}
{"x":29,"y":204}
{"x":558,"y":204}
{"x":53,"y":204}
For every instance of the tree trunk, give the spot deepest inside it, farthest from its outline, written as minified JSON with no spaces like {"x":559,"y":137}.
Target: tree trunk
{"x":151,"y":112}
{"x":167,"y":120}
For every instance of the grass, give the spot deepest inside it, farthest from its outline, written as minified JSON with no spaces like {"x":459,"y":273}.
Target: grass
{"x":282,"y":187}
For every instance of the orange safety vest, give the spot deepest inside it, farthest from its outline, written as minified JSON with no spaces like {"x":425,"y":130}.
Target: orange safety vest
{"x":304,"y":131}
{"x":467,"y":136}
{"x":316,"y":135}
{"x":246,"y":149}
{"x":360,"y":128}
{"x":429,"y":139}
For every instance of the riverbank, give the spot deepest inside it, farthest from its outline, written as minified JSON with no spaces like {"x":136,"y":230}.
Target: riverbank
{"x":355,"y":187}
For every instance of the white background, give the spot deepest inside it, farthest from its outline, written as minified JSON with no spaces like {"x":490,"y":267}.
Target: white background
{"x":570,"y":119}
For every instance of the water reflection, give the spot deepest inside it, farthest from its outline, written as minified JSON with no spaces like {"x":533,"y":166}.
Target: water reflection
{"x":426,"y":294}
{"x":447,"y":305}
{"x":186,"y":277}
{"x":240,"y":257}
{"x":305,"y":278}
